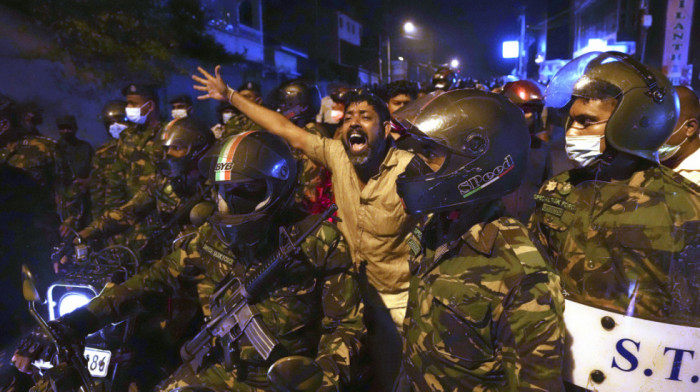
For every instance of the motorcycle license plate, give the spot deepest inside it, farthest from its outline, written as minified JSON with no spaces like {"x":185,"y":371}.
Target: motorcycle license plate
{"x":97,"y":361}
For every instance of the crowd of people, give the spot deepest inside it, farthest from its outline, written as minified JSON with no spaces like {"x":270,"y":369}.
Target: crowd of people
{"x":456,"y":247}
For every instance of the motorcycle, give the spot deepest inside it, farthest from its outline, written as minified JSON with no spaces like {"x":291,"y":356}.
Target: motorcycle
{"x":109,"y":358}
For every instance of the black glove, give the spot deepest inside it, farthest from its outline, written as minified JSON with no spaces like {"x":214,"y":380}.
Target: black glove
{"x":36,"y":345}
{"x":73,"y":327}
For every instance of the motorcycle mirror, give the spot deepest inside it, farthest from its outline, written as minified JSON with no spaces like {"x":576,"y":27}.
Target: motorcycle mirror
{"x":29,"y":290}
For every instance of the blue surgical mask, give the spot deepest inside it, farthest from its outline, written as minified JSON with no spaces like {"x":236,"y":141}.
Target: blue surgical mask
{"x":116,"y":129}
{"x":134,"y":114}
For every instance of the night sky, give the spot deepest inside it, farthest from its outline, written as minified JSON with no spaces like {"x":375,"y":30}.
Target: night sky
{"x":471,"y":31}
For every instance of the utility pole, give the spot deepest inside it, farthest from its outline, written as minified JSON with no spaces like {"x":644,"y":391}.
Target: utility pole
{"x":388,"y":58}
{"x":379,"y":57}
{"x":522,"y":52}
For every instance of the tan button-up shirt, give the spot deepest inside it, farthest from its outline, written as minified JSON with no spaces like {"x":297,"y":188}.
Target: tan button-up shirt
{"x":373,"y":219}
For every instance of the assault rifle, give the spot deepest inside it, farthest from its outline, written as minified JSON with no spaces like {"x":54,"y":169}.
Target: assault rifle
{"x":233,"y":315}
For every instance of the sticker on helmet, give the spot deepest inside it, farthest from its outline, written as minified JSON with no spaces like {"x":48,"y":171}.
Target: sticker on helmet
{"x":224,"y":165}
{"x":479,"y":181}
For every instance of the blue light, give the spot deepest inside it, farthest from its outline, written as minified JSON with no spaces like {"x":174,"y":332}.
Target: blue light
{"x":511,"y":49}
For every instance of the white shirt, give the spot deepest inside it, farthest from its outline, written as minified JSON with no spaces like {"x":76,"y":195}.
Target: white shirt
{"x":690,"y":167}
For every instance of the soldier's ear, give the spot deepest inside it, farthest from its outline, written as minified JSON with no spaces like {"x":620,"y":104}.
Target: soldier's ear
{"x":387,"y":129}
{"x":691,"y":128}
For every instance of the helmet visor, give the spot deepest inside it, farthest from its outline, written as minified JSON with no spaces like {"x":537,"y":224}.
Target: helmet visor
{"x":568,"y":81}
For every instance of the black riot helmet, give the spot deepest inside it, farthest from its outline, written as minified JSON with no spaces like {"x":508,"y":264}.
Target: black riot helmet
{"x":481,"y":141}
{"x":298,"y":101}
{"x":444,"y":78}
{"x":255,"y":175}
{"x":647,"y":105}
{"x":184,"y":134}
{"x":114,"y":111}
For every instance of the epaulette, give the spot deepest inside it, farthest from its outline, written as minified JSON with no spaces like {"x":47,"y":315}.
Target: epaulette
{"x":681,"y":180}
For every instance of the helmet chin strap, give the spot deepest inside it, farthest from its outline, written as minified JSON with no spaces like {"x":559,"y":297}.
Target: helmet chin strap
{"x":616,"y":165}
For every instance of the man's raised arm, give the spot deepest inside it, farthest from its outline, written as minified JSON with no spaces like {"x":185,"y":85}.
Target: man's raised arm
{"x":275,"y":123}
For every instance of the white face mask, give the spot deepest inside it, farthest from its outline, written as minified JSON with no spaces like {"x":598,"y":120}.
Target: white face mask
{"x":583,"y":149}
{"x":666,"y":151}
{"x":115,"y":129}
{"x":179,"y":113}
{"x":134,"y":114}
{"x":226,"y":116}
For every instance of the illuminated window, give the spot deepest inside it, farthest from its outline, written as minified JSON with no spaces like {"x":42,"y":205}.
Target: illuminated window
{"x":510,"y":49}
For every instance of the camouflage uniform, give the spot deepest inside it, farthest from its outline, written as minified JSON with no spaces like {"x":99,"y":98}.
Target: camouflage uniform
{"x":28,"y":220}
{"x":239,"y":123}
{"x":484,"y":314}
{"x":606,"y":238}
{"x":314,"y":309}
{"x":147,"y":212}
{"x":315,"y":191}
{"x":74,"y":199}
{"x":38,"y":157}
{"x":105,"y":157}
{"x":137,"y":154}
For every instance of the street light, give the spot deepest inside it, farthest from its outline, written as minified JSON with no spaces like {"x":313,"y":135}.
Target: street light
{"x":409,"y":27}
{"x":454,"y":63}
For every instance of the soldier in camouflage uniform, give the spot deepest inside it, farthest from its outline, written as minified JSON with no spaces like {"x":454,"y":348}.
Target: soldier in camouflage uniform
{"x":484,"y":310}
{"x":177,"y":185}
{"x":239,"y":122}
{"x":623,"y":231}
{"x":114,"y":119}
{"x":32,"y":169}
{"x":313,"y":307}
{"x":138,"y":149}
{"x":299,"y":102}
{"x":74,"y":198}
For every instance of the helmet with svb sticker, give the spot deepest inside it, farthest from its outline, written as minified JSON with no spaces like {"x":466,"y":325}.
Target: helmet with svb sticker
{"x":254,"y":174}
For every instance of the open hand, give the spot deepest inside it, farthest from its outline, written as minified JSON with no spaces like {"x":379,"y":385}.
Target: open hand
{"x":214,"y":86}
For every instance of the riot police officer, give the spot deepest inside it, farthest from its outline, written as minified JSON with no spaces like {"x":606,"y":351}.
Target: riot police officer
{"x":484,"y":310}
{"x":114,"y":120}
{"x":528,"y":97}
{"x":621,"y":230}
{"x":162,"y":204}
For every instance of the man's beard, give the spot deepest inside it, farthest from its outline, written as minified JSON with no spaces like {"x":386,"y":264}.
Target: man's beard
{"x":371,"y":153}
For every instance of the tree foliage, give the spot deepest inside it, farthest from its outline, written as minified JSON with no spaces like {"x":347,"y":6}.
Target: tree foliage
{"x":141,"y":38}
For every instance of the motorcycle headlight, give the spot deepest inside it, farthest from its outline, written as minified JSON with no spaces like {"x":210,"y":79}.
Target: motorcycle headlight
{"x":65,"y":298}
{"x":71,"y":301}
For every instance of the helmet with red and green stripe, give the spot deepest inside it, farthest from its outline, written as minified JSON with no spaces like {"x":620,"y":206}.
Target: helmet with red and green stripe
{"x":254,"y":174}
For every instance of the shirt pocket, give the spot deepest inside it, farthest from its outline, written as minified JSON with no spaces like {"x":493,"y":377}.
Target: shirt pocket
{"x":462,"y":335}
{"x":386,"y":218}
